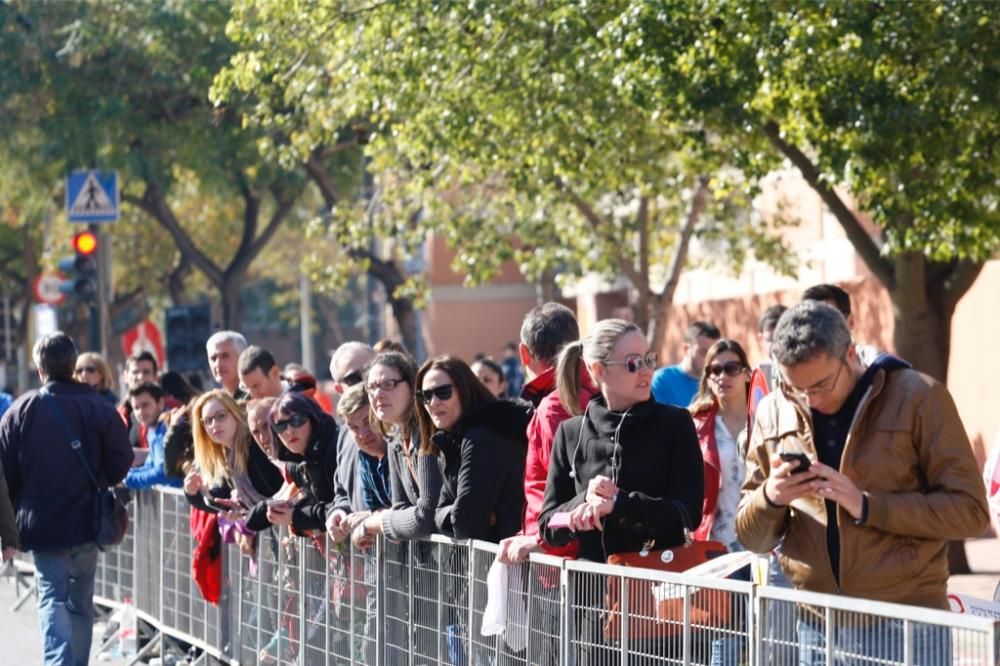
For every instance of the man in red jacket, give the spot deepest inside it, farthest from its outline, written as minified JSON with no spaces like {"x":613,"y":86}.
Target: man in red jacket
{"x":546,"y":328}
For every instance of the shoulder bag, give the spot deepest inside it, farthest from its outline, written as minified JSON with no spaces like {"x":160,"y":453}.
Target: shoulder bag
{"x":110,"y":513}
{"x":650,"y":612}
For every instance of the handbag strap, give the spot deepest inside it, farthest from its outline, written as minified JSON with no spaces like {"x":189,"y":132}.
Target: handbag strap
{"x":686,"y":522}
{"x":74,"y":441}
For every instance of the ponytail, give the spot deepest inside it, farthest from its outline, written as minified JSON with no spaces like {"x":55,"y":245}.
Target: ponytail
{"x":568,"y":381}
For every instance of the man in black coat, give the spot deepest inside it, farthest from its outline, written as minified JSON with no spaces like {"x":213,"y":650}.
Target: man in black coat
{"x":55,"y":498}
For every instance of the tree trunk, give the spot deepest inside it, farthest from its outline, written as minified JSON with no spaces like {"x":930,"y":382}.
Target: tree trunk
{"x":232,"y":304}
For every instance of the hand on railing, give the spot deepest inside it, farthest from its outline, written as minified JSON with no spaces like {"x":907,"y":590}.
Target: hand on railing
{"x":8,"y":553}
{"x":517,"y":548}
{"x":337,"y":526}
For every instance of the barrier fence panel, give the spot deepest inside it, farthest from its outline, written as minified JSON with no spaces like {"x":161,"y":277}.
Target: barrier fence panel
{"x":546,"y":611}
{"x":830,"y":629}
{"x":622,"y":615}
{"x":305,"y":601}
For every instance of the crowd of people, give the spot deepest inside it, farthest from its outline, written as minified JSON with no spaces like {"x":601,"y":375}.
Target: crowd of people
{"x":602,"y":452}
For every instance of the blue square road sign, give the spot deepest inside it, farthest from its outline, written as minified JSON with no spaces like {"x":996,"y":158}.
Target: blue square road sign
{"x":92,"y":196}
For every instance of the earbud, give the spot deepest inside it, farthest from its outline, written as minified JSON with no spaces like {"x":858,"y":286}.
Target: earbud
{"x":572,"y":474}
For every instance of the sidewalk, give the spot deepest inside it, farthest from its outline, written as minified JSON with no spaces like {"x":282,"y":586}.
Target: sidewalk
{"x":984,"y":560}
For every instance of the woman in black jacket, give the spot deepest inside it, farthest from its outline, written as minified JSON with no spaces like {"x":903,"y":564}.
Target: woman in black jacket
{"x":484,"y":443}
{"x":308,"y":444}
{"x":628,"y":471}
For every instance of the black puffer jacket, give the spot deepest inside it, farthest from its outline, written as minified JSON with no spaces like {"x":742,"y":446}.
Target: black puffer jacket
{"x":659,"y":472}
{"x":484,"y":472}
{"x":313,"y":472}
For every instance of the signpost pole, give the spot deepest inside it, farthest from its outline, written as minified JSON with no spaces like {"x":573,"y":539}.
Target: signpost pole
{"x":105,"y":289}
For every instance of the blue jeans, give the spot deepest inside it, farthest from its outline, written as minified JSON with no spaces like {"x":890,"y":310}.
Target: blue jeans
{"x":875,"y":643}
{"x":65,"y":580}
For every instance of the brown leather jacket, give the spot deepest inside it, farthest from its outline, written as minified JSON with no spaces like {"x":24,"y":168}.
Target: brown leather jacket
{"x":908,"y":452}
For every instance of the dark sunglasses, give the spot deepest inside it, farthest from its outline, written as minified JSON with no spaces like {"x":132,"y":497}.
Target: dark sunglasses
{"x":86,"y":368}
{"x":295,"y":420}
{"x":732,"y":368}
{"x":442,"y":393}
{"x":635,"y":362}
{"x":352,"y":378}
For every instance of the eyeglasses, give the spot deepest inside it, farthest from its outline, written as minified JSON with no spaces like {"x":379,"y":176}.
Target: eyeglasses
{"x":732,"y":368}
{"x":384,"y":384}
{"x":85,"y":369}
{"x":635,"y":362}
{"x":295,"y":420}
{"x":209,"y":419}
{"x":442,"y":393}
{"x":351,"y":379}
{"x":819,"y":388}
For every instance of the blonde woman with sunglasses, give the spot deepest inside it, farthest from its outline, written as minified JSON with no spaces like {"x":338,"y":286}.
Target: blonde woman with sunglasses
{"x":93,"y":370}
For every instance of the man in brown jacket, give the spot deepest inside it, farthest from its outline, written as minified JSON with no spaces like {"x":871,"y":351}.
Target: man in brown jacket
{"x":891,"y":478}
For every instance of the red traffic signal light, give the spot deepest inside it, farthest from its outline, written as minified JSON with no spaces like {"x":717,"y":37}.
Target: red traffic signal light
{"x":85,"y":243}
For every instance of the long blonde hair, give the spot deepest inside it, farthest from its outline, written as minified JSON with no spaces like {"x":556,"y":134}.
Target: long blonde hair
{"x":210,"y":456}
{"x":596,"y":346}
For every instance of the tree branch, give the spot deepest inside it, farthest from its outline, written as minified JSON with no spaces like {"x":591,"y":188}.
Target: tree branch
{"x":598,"y":224}
{"x":318,"y":173}
{"x":960,"y":280}
{"x":862,"y":242}
{"x":153,"y":204}
{"x":678,"y":258}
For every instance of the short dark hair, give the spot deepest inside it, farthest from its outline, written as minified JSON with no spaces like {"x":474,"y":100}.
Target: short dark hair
{"x":546,"y":330}
{"x":55,"y":355}
{"x":829,"y":293}
{"x":255,"y":358}
{"x":177,"y":387}
{"x":143,"y":356}
{"x":154,"y":390}
{"x":701,"y":329}
{"x":770,"y":318}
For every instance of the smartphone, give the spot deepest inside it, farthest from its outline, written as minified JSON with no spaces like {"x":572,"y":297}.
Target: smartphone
{"x":803,"y":459}
{"x":279,"y":504}
{"x":221,"y":504}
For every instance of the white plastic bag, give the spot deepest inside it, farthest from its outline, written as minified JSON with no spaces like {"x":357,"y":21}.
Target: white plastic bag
{"x":505,"y":612}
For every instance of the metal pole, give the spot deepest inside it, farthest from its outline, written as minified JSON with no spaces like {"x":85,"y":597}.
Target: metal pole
{"x":305,"y":319}
{"x":105,"y":289}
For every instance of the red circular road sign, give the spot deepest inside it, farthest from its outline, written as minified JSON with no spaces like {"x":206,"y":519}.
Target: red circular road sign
{"x":46,"y":288}
{"x":144,"y":336}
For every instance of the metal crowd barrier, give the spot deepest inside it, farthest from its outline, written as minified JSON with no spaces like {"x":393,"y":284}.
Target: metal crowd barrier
{"x":305,"y":601}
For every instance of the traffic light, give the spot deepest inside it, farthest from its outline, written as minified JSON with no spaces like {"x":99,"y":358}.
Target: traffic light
{"x":81,"y":268}
{"x":188,"y":329}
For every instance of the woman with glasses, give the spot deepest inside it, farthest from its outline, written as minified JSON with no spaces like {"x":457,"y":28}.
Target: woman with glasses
{"x":484,"y":442}
{"x":306,"y":440}
{"x":626,"y":474}
{"x":414,"y":471}
{"x":226,"y":460}
{"x":719,"y":409}
{"x":92,"y":369}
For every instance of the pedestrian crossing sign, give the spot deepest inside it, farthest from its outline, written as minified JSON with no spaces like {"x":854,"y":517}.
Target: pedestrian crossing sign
{"x":92,"y":196}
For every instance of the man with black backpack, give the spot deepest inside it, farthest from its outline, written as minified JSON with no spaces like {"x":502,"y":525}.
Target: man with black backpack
{"x":59,"y":447}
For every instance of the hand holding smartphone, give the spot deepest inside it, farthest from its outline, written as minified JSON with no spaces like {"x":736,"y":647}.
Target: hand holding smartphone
{"x":802,"y":459}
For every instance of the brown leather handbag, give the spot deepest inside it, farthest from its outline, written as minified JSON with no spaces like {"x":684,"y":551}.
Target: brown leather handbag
{"x":649,"y":615}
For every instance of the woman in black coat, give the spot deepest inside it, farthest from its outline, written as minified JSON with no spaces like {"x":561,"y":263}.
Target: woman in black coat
{"x":628,"y":471}
{"x":308,"y":445}
{"x":484,"y":443}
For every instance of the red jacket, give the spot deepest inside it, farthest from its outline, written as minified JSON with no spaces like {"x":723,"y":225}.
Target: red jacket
{"x":704,"y":423}
{"x":541,"y":434}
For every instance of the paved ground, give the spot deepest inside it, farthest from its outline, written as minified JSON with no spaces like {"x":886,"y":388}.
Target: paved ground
{"x":21,"y":644}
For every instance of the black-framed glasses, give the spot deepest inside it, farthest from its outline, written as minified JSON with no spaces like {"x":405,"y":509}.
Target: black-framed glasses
{"x":384,"y":384}
{"x":219,"y":417}
{"x":295,"y":421}
{"x":636,"y":362}
{"x":730,"y":368}
{"x":351,"y":378}
{"x":88,"y":369}
{"x":442,"y":393}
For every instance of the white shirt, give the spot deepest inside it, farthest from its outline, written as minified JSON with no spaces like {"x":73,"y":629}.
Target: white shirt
{"x":732,"y":472}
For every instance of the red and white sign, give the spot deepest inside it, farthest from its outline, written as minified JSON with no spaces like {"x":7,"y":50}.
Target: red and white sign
{"x":46,"y":288}
{"x":963,"y":603}
{"x":144,"y":336}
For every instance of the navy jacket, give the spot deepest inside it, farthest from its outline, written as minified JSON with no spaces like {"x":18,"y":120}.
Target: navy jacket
{"x":50,"y":490}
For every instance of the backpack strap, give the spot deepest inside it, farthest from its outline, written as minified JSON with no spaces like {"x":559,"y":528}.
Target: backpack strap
{"x":74,"y":441}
